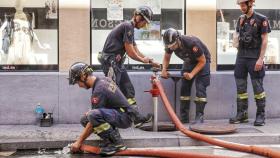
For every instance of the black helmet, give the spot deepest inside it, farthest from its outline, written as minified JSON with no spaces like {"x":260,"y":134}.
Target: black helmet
{"x":170,"y":37}
{"x":146,"y":12}
{"x":76,"y":71}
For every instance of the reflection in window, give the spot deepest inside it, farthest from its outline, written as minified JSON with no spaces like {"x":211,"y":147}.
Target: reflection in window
{"x":227,"y":14}
{"x":29,"y":35}
{"x":105,"y":15}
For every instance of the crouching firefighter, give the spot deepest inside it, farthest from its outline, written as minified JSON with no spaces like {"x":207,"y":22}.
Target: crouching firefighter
{"x":110,"y":110}
{"x":253,"y":29}
{"x":119,"y":43}
{"x":196,"y":67}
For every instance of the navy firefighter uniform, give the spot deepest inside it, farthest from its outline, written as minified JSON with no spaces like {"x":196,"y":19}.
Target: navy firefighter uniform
{"x":110,"y":109}
{"x":250,"y":30}
{"x":119,"y":43}
{"x":189,"y":49}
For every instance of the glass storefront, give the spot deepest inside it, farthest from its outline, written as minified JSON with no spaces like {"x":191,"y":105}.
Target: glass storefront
{"x":227,"y":15}
{"x":29,"y":31}
{"x":106,"y":14}
{"x":29,"y":35}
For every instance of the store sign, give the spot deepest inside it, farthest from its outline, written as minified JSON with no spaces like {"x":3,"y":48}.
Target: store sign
{"x":232,"y":15}
{"x":168,"y":18}
{"x":104,"y":24}
{"x":99,"y":19}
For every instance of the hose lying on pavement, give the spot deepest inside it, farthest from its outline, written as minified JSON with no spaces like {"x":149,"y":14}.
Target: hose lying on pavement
{"x":229,"y":145}
{"x":152,"y":152}
{"x":175,"y":154}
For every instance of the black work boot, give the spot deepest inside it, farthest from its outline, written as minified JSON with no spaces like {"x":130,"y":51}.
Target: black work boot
{"x":260,"y":116}
{"x":260,"y":119}
{"x":184,"y":111}
{"x":199,"y":115}
{"x":116,"y":143}
{"x":105,"y":142}
{"x":242,"y":114}
{"x":241,"y":117}
{"x":140,"y":120}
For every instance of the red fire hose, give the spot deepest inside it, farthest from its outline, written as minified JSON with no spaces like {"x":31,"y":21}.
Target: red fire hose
{"x":233,"y":146}
{"x":157,"y":89}
{"x":152,"y":152}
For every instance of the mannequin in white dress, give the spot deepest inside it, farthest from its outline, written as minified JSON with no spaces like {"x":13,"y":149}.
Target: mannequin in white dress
{"x":22,"y":38}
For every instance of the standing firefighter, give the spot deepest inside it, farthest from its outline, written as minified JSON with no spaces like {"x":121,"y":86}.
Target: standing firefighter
{"x":196,"y":67}
{"x":253,"y":29}
{"x":121,"y":42}
{"x":110,"y":110}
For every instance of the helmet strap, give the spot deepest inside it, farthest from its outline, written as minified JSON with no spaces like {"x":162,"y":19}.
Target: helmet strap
{"x":179,"y":42}
{"x":85,"y":81}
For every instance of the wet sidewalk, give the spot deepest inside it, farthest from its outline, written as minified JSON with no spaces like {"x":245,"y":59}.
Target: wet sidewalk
{"x":59,"y":135}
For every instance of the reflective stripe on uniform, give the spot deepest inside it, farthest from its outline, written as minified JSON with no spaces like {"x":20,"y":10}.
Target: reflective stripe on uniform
{"x":131,"y":101}
{"x":260,"y":96}
{"x":101,"y":128}
{"x":185,"y":98}
{"x":122,"y":110}
{"x":197,"y":99}
{"x":242,"y":96}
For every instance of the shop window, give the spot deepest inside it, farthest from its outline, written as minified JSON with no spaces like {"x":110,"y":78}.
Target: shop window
{"x":29,"y":35}
{"x":228,"y":13}
{"x":106,"y":14}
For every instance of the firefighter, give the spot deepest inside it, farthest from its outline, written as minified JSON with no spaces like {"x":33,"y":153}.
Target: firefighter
{"x":110,"y":110}
{"x":253,"y":29}
{"x":119,"y":43}
{"x":196,"y":67}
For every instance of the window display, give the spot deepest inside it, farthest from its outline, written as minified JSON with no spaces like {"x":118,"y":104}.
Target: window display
{"x":228,"y":13}
{"x":28,"y":31}
{"x":105,"y":15}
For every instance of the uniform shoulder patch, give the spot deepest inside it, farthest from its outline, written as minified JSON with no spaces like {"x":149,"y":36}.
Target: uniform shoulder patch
{"x":264,"y":23}
{"x":95,"y":100}
{"x":195,"y":49}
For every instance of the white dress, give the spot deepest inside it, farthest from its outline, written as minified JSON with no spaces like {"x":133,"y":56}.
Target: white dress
{"x":20,"y":50}
{"x":3,"y":56}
